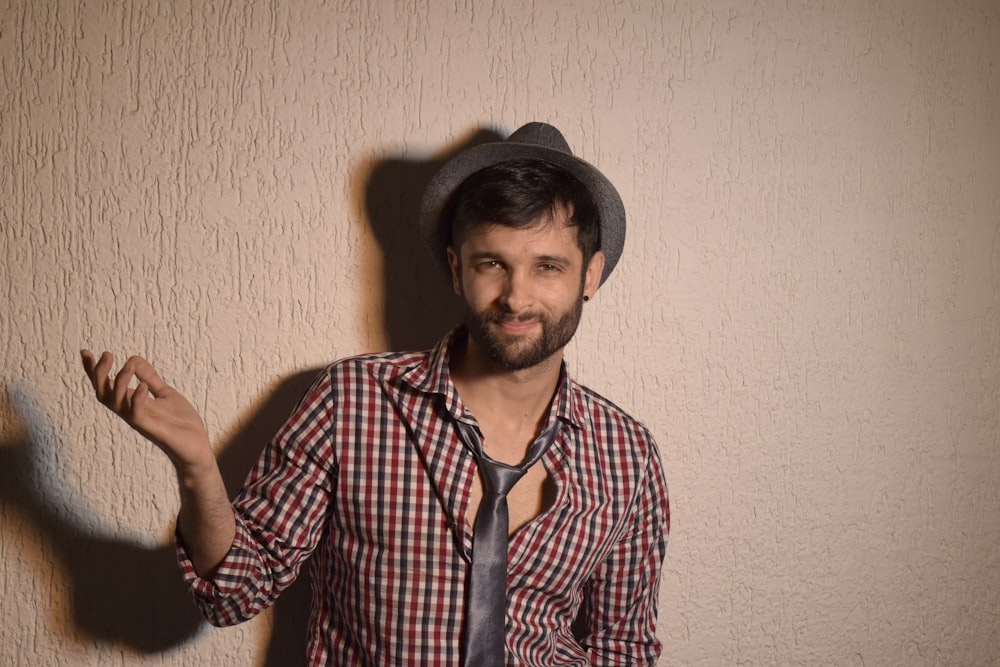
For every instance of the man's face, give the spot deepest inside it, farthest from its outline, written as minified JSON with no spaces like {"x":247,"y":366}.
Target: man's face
{"x":523,"y":289}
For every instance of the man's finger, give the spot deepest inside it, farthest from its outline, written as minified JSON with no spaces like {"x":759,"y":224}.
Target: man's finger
{"x":121,"y":388}
{"x":99,"y":376}
{"x":88,"y":360}
{"x":145,"y":373}
{"x":89,"y":365}
{"x":139,"y":397}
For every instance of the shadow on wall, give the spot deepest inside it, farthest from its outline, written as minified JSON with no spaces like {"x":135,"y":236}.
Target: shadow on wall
{"x":418,"y":306}
{"x":131,"y":595}
{"x":119,"y":591}
{"x":125,"y":593}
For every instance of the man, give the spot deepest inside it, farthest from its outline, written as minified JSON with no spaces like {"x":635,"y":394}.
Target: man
{"x":390,"y":472}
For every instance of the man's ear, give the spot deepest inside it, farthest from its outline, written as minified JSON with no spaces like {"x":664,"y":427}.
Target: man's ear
{"x":456,"y":271}
{"x":592,"y":279}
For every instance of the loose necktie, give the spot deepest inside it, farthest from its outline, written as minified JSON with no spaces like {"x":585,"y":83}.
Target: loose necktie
{"x":486,"y":599}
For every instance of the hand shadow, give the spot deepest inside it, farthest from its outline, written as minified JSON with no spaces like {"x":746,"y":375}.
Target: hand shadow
{"x":120,"y":591}
{"x":132,"y":595}
{"x":124,"y":592}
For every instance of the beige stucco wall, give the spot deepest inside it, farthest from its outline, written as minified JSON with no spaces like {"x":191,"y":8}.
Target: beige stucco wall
{"x":807,"y":314}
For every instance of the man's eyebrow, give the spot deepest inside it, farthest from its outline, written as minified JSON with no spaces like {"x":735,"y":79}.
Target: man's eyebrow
{"x":479,"y":255}
{"x":484,"y":254}
{"x":553,"y":259}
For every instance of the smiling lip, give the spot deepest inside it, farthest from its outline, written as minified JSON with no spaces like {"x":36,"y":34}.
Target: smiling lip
{"x":518,"y":326}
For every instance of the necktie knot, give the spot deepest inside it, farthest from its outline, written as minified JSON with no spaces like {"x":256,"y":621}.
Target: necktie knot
{"x":498,"y":478}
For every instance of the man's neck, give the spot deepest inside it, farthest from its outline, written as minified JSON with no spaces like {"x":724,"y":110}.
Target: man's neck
{"x":492,"y":392}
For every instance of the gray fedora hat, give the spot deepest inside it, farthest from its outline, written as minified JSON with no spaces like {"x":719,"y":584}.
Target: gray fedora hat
{"x":535,"y":141}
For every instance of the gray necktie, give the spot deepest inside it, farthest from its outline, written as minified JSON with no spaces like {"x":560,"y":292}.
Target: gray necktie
{"x":486,"y":600}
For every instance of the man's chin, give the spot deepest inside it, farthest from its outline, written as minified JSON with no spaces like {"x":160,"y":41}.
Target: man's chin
{"x":513,"y":352}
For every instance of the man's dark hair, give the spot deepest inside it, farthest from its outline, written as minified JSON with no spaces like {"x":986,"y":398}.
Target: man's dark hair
{"x":517,"y":193}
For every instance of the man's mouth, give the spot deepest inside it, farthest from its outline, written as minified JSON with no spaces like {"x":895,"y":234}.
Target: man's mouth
{"x":517,"y":325}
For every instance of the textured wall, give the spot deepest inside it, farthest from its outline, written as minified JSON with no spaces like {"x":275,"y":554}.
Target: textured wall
{"x":807,"y":314}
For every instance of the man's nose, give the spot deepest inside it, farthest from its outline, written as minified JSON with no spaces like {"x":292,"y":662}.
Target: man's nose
{"x":516,"y":295}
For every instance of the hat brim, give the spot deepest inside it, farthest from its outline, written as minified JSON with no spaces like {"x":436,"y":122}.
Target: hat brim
{"x":435,"y":209}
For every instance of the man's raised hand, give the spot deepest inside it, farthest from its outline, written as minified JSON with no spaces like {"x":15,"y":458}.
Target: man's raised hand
{"x":153,"y":408}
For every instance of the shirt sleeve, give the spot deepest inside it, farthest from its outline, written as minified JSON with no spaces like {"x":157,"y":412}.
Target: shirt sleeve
{"x":280,"y":515}
{"x":621,"y":598}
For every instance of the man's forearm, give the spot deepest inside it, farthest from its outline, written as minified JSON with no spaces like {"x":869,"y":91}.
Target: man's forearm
{"x":205,"y":523}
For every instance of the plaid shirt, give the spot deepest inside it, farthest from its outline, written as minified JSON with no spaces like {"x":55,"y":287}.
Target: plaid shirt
{"x":370,"y":476}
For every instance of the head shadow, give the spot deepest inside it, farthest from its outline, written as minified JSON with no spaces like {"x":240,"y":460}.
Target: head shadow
{"x":417,"y":305}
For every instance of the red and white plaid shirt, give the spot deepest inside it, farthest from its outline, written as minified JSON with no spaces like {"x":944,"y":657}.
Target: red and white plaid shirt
{"x":371,"y":478}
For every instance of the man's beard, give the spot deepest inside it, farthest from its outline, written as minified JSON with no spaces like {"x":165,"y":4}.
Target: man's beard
{"x":517,"y":353}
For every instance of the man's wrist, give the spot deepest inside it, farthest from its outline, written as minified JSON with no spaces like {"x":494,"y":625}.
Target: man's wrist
{"x":198,"y":470}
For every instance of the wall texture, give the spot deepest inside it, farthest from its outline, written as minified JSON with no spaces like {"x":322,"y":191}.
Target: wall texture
{"x":807,"y":314}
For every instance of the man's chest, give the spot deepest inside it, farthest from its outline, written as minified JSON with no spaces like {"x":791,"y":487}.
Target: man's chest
{"x":408,"y":483}
{"x":533,"y":494}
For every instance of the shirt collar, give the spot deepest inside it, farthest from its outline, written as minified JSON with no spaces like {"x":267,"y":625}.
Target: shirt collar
{"x":434,"y":376}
